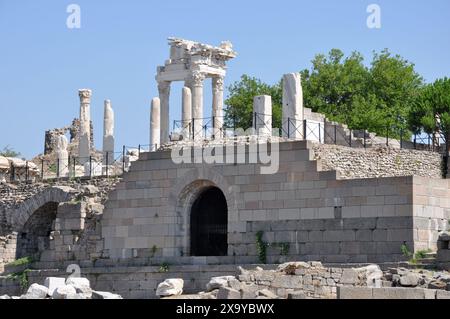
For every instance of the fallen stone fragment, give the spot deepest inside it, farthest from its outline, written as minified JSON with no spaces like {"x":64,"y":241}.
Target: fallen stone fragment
{"x":63,"y":292}
{"x":170,"y":287}
{"x":52,"y":283}
{"x":36,"y":291}
{"x":409,"y":280}
{"x":218,"y":282}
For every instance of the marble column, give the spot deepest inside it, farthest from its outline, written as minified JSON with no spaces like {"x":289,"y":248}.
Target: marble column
{"x":155,"y":121}
{"x":108,"y":134}
{"x":196,"y":81}
{"x":186,"y":113}
{"x":262,"y":121}
{"x":292,"y":110}
{"x":62,"y":156}
{"x":164,"y":94}
{"x":84,"y":142}
{"x":217,"y":106}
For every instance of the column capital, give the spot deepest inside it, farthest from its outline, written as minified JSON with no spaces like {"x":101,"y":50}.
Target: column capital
{"x":196,"y":79}
{"x":217,"y":83}
{"x":85,"y":95}
{"x":164,"y":87}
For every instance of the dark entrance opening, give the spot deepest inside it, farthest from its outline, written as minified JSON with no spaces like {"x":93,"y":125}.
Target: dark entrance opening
{"x":35,"y":235}
{"x":209,"y":219}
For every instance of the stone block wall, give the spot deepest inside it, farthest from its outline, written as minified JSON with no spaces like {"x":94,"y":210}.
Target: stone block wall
{"x":378,"y":161}
{"x":431,"y":209}
{"x":320,"y":216}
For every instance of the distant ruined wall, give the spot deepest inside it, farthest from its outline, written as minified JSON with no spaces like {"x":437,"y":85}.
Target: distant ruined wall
{"x":377,"y":162}
{"x":73,"y":129}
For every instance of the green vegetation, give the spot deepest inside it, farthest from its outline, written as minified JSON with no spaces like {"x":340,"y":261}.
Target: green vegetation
{"x":261,"y":247}
{"x":164,"y":267}
{"x":22,"y":277}
{"x":153,"y":251}
{"x":8,"y":151}
{"x":20,"y":262}
{"x":372,"y":97}
{"x":420,"y":254}
{"x":405,"y":251}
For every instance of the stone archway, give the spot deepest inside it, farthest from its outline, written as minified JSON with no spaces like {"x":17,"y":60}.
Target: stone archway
{"x":209,"y":224}
{"x":34,"y":237}
{"x":187,"y":190}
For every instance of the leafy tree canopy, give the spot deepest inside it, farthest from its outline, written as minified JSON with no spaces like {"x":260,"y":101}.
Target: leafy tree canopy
{"x":343,"y":88}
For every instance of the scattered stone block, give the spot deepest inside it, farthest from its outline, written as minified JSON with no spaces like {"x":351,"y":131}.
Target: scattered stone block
{"x":409,"y":280}
{"x":228,"y":293}
{"x":78,"y":282}
{"x":349,"y":277}
{"x":170,"y":287}
{"x":354,"y":293}
{"x":296,"y":295}
{"x":64,"y":292}
{"x":52,"y":283}
{"x":442,"y":294}
{"x":218,"y":282}
{"x":36,"y":291}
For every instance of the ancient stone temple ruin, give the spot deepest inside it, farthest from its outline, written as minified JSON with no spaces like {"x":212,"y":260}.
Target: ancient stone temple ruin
{"x":319,"y":192}
{"x":193,"y":62}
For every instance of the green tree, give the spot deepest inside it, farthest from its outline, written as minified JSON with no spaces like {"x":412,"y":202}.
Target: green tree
{"x":240,"y":101}
{"x":372,"y":97}
{"x":431,"y":111}
{"x":9,"y":152}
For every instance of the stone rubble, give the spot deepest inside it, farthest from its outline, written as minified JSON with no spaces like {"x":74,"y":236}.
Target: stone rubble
{"x":61,"y":288}
{"x":311,"y":280}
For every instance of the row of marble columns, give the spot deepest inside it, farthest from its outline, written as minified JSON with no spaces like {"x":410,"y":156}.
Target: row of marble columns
{"x":84,"y":136}
{"x":192,"y":109}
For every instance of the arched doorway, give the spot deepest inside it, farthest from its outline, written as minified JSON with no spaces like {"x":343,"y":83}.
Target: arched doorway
{"x":34,"y":237}
{"x":209,"y":219}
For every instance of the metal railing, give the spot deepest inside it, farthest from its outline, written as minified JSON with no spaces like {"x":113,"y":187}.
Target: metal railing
{"x":98,"y":165}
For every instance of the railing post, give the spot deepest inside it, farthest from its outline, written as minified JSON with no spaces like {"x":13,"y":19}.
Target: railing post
{"x":107,"y":162}
{"x":254,"y":124}
{"x":123,"y":159}
{"x":26,"y":171}
{"x":68,"y":166}
{"x":139,"y":150}
{"x":90,"y":166}
{"x":42,"y":169}
{"x":415,"y":141}
{"x":401,"y":137}
{"x":365,"y":143}
{"x":351,"y":133}
{"x":387,"y":136}
{"x":304,"y":129}
{"x":57,"y":167}
{"x":74,"y":167}
{"x":335,"y":134}
{"x":320,"y":135}
{"x":289,"y":132}
{"x":193,"y":129}
{"x":205,"y":128}
{"x":213,"y":126}
{"x":13,"y":172}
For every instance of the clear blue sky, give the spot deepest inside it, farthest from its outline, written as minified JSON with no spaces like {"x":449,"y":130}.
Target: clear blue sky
{"x":120,"y":43}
